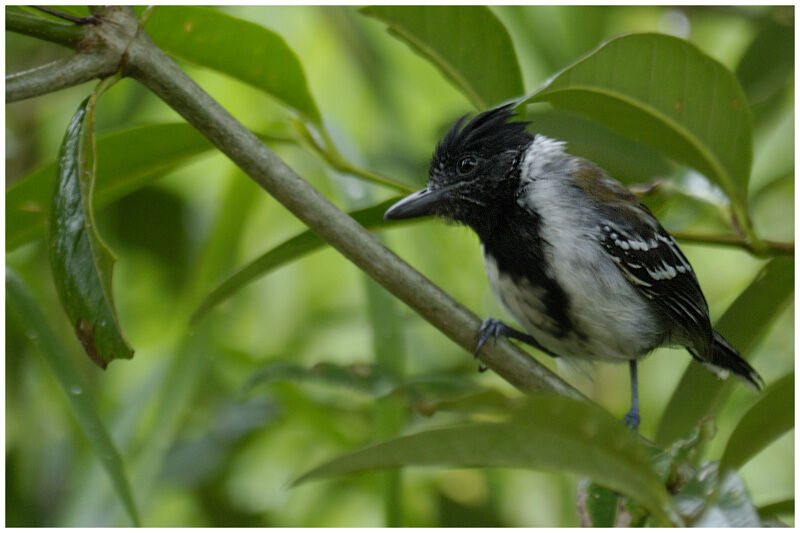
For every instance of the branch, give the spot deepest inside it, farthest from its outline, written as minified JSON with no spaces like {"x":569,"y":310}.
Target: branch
{"x":60,"y":74}
{"x":147,"y":64}
{"x":766,"y":249}
{"x":64,"y":34}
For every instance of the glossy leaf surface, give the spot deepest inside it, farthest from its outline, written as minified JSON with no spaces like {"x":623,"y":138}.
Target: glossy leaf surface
{"x":80,"y":262}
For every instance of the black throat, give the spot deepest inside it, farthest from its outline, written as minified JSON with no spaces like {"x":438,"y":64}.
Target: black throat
{"x":511,"y":236}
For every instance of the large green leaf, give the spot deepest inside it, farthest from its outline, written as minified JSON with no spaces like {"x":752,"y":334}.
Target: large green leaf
{"x":241,"y":49}
{"x":80,"y":401}
{"x":770,"y":417}
{"x":294,"y":248}
{"x":80,"y":262}
{"x":624,"y":159}
{"x":126,"y":160}
{"x":700,"y":393}
{"x":550,"y":433}
{"x":665,"y":92}
{"x":468,"y":44}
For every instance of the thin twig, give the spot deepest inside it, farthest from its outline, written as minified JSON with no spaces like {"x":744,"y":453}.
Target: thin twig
{"x":66,"y":16}
{"x":769,"y":248}
{"x":60,"y":74}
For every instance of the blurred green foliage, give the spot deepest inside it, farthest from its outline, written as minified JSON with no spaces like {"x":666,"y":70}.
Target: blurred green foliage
{"x":215,"y":419}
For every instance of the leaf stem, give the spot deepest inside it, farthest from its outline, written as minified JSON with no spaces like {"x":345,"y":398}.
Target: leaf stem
{"x":326,"y":150}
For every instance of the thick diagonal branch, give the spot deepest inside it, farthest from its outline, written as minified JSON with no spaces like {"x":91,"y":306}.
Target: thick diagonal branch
{"x":147,"y":64}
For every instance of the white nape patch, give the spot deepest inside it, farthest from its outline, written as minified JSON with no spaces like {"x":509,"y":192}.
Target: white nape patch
{"x":542,"y":155}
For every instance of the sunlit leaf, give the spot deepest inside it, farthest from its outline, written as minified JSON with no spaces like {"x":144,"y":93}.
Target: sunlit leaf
{"x":769,"y":418}
{"x":284,"y":253}
{"x":665,"y":92}
{"x":80,"y":262}
{"x":468,"y":44}
{"x":80,"y":401}
{"x":241,"y":49}
{"x":549,"y":433}
{"x":700,"y":393}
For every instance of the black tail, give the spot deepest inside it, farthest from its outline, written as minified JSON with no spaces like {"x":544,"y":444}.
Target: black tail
{"x":725,"y":358}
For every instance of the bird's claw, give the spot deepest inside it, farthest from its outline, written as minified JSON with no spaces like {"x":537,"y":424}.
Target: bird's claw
{"x":632,"y":419}
{"x":490,"y":329}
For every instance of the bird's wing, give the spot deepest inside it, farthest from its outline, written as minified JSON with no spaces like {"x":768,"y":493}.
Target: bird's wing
{"x":651,"y":260}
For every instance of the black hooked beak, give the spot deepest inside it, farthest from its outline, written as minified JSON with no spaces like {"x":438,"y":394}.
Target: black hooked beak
{"x":419,"y":204}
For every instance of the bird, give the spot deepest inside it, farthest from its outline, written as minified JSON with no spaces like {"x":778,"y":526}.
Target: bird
{"x":573,"y":255}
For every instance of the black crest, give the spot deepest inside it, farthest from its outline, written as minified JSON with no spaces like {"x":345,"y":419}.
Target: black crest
{"x":488,"y":133}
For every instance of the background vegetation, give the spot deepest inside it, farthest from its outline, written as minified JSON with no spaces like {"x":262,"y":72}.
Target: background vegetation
{"x":225,"y":405}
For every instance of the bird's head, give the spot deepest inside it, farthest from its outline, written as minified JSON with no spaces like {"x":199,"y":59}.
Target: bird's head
{"x":474,"y":171}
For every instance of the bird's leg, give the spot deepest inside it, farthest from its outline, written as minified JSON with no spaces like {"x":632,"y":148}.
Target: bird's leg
{"x":631,"y":418}
{"x":493,"y":328}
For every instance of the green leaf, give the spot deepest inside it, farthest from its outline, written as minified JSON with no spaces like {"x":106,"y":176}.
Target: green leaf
{"x":484,"y":66}
{"x":768,"y":63}
{"x":126,"y":161}
{"x":80,"y":402}
{"x":290,"y":250}
{"x":769,"y":418}
{"x":80,"y":262}
{"x":241,"y":49}
{"x":550,"y":433}
{"x":665,"y":92}
{"x":700,"y":393}
{"x":624,"y":159}
{"x":707,"y":501}
{"x":777,"y":508}
{"x":370,"y":379}
{"x":602,"y":507}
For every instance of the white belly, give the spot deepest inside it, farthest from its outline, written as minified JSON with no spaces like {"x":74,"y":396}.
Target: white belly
{"x":608,"y":315}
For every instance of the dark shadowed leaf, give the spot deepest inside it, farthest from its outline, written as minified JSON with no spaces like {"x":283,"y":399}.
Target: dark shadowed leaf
{"x":746,"y":321}
{"x":550,"y":433}
{"x":80,"y":262}
{"x":768,"y":64}
{"x":78,"y":397}
{"x":126,"y":161}
{"x":769,"y":418}
{"x":483,"y":66}
{"x":663,"y":91}
{"x":777,"y":508}
{"x":288,"y":251}
{"x":241,"y":49}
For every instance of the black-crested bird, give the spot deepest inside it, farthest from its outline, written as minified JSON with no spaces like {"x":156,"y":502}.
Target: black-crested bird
{"x":572,"y":254}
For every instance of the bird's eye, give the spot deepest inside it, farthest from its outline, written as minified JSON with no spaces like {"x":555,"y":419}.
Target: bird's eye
{"x":466,"y":165}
